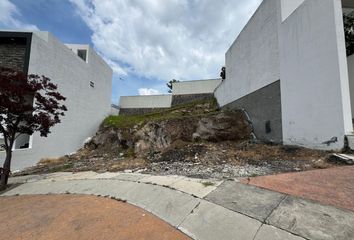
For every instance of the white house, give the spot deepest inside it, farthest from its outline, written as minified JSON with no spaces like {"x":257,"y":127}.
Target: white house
{"x":289,"y":70}
{"x":82,"y":76}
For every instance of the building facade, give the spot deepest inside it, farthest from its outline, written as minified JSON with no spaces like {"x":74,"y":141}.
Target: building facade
{"x":81,"y":75}
{"x":182,"y":92}
{"x":289,"y":70}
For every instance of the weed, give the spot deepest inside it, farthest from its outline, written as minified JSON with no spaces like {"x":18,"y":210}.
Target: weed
{"x":127,"y":121}
{"x":208,"y":184}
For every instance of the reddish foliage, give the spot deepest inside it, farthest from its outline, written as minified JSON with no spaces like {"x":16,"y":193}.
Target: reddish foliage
{"x":28,"y":103}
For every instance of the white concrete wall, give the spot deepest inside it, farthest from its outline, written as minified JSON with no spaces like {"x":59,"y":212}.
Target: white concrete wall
{"x":288,"y":7}
{"x":314,"y":77}
{"x":114,"y":111}
{"x":76,"y":47}
{"x":195,"y":87}
{"x":87,"y":106}
{"x":152,"y":101}
{"x":351,"y":80}
{"x":252,"y":62}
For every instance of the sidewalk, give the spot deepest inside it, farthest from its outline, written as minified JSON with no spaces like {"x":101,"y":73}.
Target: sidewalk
{"x":79,"y":217}
{"x":206,"y":209}
{"x":334,"y":186}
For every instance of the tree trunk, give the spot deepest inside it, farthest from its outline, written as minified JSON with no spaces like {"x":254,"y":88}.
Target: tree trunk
{"x":6,"y":169}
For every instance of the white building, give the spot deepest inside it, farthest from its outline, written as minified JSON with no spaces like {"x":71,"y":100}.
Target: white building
{"x":289,"y":70}
{"x":82,"y":77}
{"x":182,"y":92}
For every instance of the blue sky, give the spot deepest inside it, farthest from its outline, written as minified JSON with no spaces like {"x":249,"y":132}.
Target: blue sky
{"x":146,"y":42}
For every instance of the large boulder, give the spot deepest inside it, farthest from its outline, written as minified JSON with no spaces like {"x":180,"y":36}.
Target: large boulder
{"x":225,"y":126}
{"x":120,"y":138}
{"x":156,"y":136}
{"x":152,"y":136}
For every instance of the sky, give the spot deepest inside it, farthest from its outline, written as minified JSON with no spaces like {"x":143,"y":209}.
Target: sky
{"x":146,"y":42}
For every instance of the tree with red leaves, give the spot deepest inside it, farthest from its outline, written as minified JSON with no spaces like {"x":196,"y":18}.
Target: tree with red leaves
{"x":28,"y":104}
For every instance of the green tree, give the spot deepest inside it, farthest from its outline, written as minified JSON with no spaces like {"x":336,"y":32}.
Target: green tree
{"x":349,"y":34}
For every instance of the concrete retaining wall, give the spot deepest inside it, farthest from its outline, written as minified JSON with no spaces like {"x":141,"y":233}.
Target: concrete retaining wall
{"x":188,"y":98}
{"x":137,"y":105}
{"x":300,"y":42}
{"x":151,"y":101}
{"x":139,"y":111}
{"x":267,"y":124}
{"x":183,"y":92}
{"x":195,"y":87}
{"x":114,"y":110}
{"x":252,"y":62}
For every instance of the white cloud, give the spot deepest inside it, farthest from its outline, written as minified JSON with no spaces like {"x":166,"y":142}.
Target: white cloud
{"x":148,"y":91}
{"x":8,"y":12}
{"x":115,"y":67}
{"x":174,"y":39}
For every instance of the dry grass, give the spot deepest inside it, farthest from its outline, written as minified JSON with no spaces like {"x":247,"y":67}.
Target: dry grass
{"x":52,"y":161}
{"x":121,"y":165}
{"x":277,"y":152}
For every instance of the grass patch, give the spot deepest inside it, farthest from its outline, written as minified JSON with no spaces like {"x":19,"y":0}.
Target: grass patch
{"x":208,"y":184}
{"x":124,"y":121}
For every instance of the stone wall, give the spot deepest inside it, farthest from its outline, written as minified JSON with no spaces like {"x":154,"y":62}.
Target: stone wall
{"x":13,"y":55}
{"x":139,"y":111}
{"x":188,"y":98}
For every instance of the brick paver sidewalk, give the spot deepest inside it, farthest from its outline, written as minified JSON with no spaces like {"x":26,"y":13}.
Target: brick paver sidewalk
{"x":334,"y":186}
{"x":79,"y":217}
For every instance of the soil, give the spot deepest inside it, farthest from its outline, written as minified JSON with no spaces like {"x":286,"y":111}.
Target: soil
{"x":222,"y":160}
{"x":196,"y":140}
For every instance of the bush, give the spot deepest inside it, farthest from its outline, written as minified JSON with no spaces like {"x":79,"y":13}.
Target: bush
{"x":349,"y":34}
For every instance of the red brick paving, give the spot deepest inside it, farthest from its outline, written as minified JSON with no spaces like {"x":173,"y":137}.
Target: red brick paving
{"x":334,"y":186}
{"x":75,"y":217}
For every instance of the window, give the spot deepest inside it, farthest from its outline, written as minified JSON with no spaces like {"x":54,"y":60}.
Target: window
{"x":82,"y":53}
{"x":22,"y":142}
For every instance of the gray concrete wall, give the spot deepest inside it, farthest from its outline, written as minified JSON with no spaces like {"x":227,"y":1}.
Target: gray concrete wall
{"x":252,"y":62}
{"x":195,"y":86}
{"x":189,"y":98}
{"x":266,"y":121}
{"x":87,"y":106}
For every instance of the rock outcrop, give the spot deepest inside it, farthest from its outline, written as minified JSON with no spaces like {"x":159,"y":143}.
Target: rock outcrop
{"x":225,"y":126}
{"x":155,"y":136}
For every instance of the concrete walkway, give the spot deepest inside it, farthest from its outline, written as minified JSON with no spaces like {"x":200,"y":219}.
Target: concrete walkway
{"x":206,"y":209}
